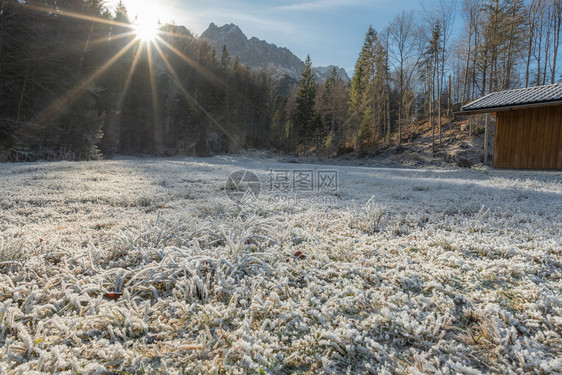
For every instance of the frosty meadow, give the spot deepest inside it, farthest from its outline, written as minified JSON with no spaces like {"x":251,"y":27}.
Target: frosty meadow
{"x":147,"y":266}
{"x":249,"y":262}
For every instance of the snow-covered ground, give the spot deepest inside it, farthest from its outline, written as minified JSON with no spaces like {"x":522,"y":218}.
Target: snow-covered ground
{"x":395,"y":271}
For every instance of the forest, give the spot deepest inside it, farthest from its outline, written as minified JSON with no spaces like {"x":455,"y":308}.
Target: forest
{"x":76,"y":83}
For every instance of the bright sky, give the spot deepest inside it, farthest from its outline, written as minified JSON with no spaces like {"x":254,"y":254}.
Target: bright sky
{"x":331,"y":31}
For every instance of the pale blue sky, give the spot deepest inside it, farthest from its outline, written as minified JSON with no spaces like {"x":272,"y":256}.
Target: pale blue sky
{"x":331,"y":31}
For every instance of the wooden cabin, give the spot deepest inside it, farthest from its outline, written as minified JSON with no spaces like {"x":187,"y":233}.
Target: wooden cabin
{"x":528,"y":126}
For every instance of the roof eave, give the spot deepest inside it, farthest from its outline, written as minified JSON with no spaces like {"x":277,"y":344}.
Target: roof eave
{"x":507,"y":108}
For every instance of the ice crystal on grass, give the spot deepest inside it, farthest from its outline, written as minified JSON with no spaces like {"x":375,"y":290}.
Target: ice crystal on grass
{"x":133,"y":266}
{"x":366,"y":218}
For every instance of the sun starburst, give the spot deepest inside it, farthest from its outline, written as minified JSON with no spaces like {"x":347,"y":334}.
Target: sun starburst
{"x":146,"y":33}
{"x":146,"y":30}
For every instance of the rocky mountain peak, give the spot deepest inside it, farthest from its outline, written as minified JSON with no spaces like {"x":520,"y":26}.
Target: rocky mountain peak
{"x":229,"y":35}
{"x":257,"y":53}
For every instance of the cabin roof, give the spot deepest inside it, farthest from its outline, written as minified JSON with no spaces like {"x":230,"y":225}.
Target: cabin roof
{"x":519,"y":98}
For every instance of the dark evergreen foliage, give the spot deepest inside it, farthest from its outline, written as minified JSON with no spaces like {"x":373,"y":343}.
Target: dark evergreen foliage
{"x":305,"y":114}
{"x":80,"y":88}
{"x":75,"y":83}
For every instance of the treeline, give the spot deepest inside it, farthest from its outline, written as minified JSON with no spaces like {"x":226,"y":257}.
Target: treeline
{"x":76,"y":83}
{"x":422,"y":67}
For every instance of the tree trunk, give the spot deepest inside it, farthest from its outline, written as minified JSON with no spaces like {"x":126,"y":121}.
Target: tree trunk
{"x":21,"y":96}
{"x":509,"y":61}
{"x":439,"y":88}
{"x":432,"y":131}
{"x":475,"y":56}
{"x":484,"y":72}
{"x":388,"y":112}
{"x":530,"y":49}
{"x":464,"y":99}
{"x":374,"y":120}
{"x":357,"y":139}
{"x":546,"y":51}
{"x":449,"y":99}
{"x":387,"y":83}
{"x":538,"y":80}
{"x":449,"y":111}
{"x":432,"y":98}
{"x":400,"y":124}
{"x":493,"y":80}
{"x":556,"y":43}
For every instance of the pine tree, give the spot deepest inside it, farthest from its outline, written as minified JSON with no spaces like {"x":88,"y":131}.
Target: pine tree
{"x":430,"y":72}
{"x":121,"y":14}
{"x":225,"y":58}
{"x":278,"y":121}
{"x":304,"y":110}
{"x":332,"y":107}
{"x":367,"y":92}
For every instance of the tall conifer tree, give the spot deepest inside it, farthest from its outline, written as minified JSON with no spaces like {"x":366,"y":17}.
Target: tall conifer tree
{"x":304,"y":111}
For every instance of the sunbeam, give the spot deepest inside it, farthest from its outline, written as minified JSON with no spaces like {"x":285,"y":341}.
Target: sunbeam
{"x":175,"y":35}
{"x":69,"y":48}
{"x":76,"y":15}
{"x":130,"y":76}
{"x":105,"y":39}
{"x":157,"y":134}
{"x":146,"y":32}
{"x":194,"y":101}
{"x":194,"y":64}
{"x":58,"y":104}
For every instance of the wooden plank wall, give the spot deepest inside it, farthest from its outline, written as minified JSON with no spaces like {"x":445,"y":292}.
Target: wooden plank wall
{"x":529,"y":139}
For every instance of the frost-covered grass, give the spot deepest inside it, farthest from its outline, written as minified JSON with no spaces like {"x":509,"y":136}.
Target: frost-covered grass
{"x":412,"y":271}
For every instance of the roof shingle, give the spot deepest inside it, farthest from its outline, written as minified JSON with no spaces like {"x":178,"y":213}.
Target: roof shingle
{"x":525,"y":96}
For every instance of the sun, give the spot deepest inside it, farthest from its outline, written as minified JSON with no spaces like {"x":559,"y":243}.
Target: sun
{"x":146,"y":29}
{"x":148,"y":16}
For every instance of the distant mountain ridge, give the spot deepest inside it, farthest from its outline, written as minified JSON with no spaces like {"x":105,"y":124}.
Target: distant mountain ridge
{"x":257,"y":53}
